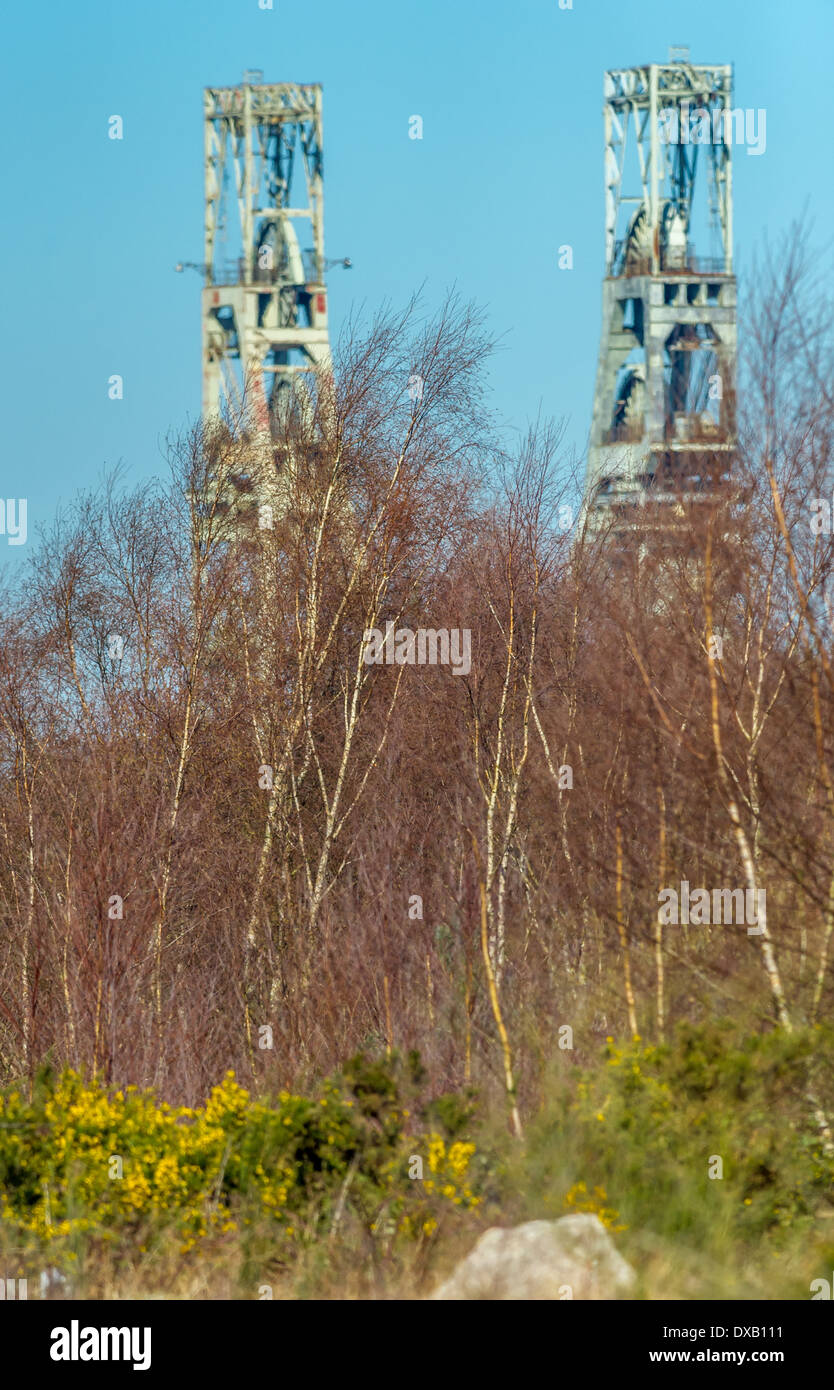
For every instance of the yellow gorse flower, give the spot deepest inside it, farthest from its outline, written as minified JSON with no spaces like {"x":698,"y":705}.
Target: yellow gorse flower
{"x":118,"y":1165}
{"x":578,"y":1199}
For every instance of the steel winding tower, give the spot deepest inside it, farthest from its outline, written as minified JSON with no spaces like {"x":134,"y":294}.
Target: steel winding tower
{"x":663,"y":419}
{"x":264,"y":307}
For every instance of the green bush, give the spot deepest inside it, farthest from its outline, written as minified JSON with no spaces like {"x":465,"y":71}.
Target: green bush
{"x":80,"y":1166}
{"x":636,"y":1138}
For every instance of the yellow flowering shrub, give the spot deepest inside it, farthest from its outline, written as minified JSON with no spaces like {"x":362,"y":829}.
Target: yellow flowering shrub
{"x":77,"y":1160}
{"x":579,"y":1199}
{"x":442,"y":1172}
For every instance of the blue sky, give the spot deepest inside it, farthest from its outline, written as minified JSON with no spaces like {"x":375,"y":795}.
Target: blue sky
{"x":509,"y":168}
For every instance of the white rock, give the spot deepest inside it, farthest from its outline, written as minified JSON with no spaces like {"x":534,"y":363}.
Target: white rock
{"x":573,"y":1257}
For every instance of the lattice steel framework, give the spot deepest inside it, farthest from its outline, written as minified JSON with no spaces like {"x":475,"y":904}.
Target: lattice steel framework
{"x":663,"y":418}
{"x":264,"y":307}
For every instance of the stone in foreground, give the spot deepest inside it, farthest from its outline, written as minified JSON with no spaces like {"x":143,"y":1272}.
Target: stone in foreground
{"x":573,"y":1257}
